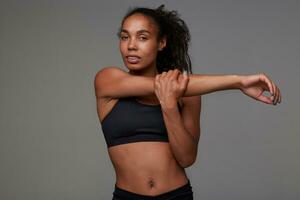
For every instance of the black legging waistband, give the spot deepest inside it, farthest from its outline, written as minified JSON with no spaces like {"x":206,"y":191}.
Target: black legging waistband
{"x":185,"y":190}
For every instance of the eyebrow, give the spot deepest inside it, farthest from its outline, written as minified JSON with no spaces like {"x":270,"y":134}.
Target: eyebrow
{"x":140,"y":31}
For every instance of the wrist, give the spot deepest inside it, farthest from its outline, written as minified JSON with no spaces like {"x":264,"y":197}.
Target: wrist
{"x":169,"y":107}
{"x":238,"y":81}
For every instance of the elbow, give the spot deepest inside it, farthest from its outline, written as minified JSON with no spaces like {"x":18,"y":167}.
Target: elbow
{"x":188,"y":162}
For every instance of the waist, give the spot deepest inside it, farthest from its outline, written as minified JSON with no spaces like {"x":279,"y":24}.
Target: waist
{"x":152,"y":186}
{"x":147,"y":168}
{"x":185,"y":191}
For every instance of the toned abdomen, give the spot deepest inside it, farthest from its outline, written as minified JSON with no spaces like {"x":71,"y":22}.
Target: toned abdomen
{"x":147,"y":168}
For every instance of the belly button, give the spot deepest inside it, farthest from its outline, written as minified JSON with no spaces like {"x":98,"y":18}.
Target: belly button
{"x":151,"y":183}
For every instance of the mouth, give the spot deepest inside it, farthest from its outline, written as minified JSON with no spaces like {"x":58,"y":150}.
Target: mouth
{"x":133,"y":59}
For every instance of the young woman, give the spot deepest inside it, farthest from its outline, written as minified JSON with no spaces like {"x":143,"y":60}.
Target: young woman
{"x":150,"y":115}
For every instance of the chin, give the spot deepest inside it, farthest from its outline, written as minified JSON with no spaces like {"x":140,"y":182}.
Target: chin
{"x":134,"y":66}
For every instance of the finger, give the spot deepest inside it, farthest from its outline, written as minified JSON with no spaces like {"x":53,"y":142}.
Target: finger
{"x":156,"y":82}
{"x":157,"y":77}
{"x":179,"y":78}
{"x":184,"y":82}
{"x":265,"y":99}
{"x":170,"y":72}
{"x":175,"y":74}
{"x":276,"y":95}
{"x":264,"y":78}
{"x":274,"y":92}
{"x":280,"y":97}
{"x":162,"y":77}
{"x":170,"y":75}
{"x":163,"y":74}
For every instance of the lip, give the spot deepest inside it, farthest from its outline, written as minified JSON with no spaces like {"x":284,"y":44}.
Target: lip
{"x":132,"y":55}
{"x":133,"y":59}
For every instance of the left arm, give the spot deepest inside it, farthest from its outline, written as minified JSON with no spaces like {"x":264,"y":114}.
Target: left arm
{"x":183,"y":135}
{"x":184,"y":129}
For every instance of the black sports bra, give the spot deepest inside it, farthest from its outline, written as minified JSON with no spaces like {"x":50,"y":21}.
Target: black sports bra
{"x":132,"y":121}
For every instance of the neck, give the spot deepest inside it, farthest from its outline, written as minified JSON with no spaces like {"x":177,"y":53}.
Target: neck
{"x":147,"y":71}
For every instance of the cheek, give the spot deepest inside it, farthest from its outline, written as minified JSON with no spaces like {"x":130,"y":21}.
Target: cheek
{"x":150,"y":50}
{"x":122,"y":47}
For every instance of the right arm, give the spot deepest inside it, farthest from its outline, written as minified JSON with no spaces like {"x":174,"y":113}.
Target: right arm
{"x":114,"y":82}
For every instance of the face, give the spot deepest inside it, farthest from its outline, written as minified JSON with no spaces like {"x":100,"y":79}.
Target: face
{"x":139,"y":44}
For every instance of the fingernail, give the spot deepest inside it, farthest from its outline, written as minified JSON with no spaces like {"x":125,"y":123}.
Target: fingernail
{"x":184,"y":72}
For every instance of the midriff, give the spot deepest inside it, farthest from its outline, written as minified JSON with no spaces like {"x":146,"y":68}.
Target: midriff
{"x":146,"y":167}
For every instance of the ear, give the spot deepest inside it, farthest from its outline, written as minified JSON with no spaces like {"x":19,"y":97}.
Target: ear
{"x":162,"y":43}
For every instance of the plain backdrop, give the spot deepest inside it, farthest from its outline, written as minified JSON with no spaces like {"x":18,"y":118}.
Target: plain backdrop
{"x":51,"y":142}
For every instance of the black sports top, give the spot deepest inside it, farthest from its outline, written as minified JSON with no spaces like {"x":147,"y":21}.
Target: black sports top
{"x":132,"y":121}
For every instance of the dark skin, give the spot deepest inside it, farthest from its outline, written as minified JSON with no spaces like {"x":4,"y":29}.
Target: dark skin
{"x":152,"y":168}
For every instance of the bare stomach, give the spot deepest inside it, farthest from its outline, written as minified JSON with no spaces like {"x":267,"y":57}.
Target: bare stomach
{"x":147,"y":168}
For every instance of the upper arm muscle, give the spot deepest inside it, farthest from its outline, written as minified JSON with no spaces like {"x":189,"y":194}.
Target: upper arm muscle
{"x":114,"y":82}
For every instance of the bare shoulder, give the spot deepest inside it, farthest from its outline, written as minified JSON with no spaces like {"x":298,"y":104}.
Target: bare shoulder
{"x":109,"y":71}
{"x":107,"y":76}
{"x":102,"y":78}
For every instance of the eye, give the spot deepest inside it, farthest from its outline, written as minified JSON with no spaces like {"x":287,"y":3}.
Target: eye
{"x":143,"y":38}
{"x":123,"y":37}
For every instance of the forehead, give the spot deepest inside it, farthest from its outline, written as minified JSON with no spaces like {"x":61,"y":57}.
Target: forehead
{"x":138,"y":22}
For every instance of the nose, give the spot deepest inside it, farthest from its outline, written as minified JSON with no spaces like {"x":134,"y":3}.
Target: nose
{"x":132,"y":44}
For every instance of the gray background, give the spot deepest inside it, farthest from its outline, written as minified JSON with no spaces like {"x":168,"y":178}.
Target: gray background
{"x":51,"y":144}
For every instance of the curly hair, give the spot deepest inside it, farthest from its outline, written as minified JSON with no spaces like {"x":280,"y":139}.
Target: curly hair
{"x":175,"y":54}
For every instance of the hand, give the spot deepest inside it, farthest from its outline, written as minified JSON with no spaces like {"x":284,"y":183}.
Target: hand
{"x":255,"y":85}
{"x":170,"y":86}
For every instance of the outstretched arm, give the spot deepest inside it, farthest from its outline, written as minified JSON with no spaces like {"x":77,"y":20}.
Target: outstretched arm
{"x":115,"y":83}
{"x":251,"y":85}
